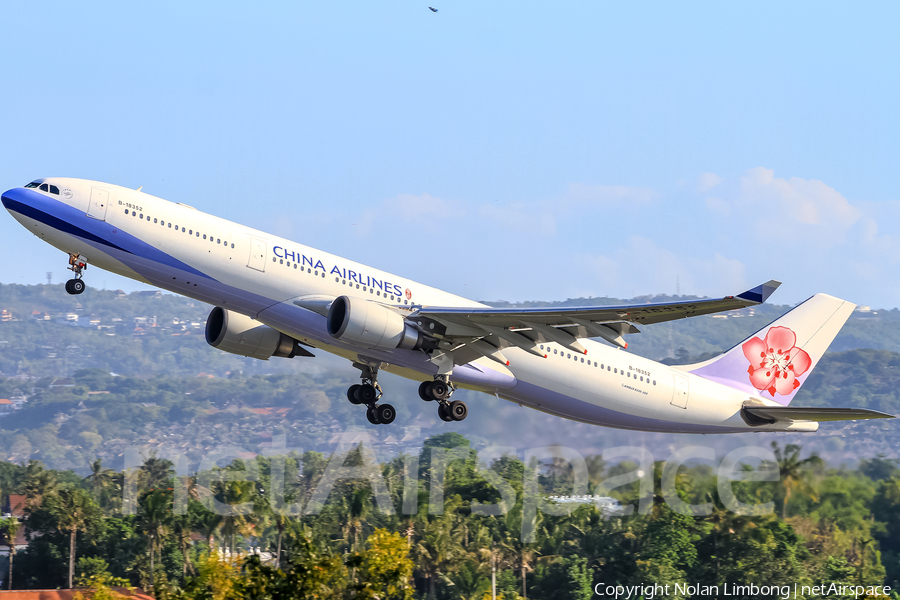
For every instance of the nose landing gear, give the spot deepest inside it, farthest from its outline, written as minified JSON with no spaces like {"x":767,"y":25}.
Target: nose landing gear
{"x":77,"y":264}
{"x":368,"y":392}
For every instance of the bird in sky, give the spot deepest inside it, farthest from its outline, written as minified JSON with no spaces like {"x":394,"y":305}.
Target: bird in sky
{"x":432,"y":9}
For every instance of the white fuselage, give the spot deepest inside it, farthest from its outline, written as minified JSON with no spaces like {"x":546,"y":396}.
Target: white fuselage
{"x":189,"y":252}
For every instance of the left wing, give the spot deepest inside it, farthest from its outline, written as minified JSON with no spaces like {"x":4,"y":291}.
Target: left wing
{"x":486,"y":331}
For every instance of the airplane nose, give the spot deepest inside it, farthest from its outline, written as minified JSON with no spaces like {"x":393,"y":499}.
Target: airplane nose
{"x":6,"y":199}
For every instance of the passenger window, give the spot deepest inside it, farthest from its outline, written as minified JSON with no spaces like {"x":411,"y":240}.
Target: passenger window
{"x":218,"y":241}
{"x":274,"y":259}
{"x":295,"y":266}
{"x":45,"y":188}
{"x":554,"y":351}
{"x":154,"y":220}
{"x":54,"y":190}
{"x":126,"y":211}
{"x":170,"y":226}
{"x":204,"y":236}
{"x":191,"y":232}
{"x":281,"y":262}
{"x":616,"y":371}
{"x":148,"y":218}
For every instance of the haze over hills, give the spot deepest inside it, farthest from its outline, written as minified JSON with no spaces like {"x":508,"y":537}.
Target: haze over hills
{"x":141,"y":374}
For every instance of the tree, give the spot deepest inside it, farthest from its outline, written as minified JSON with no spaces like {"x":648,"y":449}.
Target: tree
{"x":385,"y":567}
{"x":9,"y":527}
{"x":311,"y":573}
{"x":155,"y":516}
{"x":100,"y":480}
{"x":792,"y":472}
{"x":73,"y":509}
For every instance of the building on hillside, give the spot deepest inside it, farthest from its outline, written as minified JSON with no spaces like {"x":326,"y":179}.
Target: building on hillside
{"x":62,"y":382}
{"x":14,"y":506}
{"x":149,"y":294}
{"x":6,"y":316}
{"x":67,"y":319}
{"x":6,"y":406}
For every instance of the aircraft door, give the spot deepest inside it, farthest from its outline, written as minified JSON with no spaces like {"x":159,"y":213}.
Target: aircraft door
{"x":99,"y":204}
{"x":257,"y":254}
{"x":681,"y":391}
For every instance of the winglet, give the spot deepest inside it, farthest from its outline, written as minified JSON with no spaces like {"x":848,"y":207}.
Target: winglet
{"x":760,"y":293}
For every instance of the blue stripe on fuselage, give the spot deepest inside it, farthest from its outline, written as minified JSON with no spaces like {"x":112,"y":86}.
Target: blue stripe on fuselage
{"x":65,"y":218}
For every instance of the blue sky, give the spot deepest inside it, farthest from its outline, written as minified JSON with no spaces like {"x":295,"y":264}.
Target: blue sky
{"x":504,"y":150}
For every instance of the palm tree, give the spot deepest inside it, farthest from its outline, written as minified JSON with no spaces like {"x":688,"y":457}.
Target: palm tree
{"x":471,"y":579}
{"x":358,"y":509}
{"x":155,"y":516}
{"x":207,"y":522}
{"x":438,"y":545}
{"x":100,"y":479}
{"x":37,"y":482}
{"x":792,"y":472}
{"x":233,"y":493}
{"x":73,"y":509}
{"x":155,"y":473}
{"x":181,"y":527}
{"x":10,"y":527}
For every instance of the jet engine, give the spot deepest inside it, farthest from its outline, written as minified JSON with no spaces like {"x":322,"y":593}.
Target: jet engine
{"x":239,"y":334}
{"x":371,"y":325}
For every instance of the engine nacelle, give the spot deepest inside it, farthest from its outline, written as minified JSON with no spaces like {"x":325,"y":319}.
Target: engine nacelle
{"x":239,"y":334}
{"x":364,"y":323}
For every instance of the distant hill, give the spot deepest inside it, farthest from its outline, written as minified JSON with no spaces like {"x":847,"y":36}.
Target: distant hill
{"x":143,"y":375}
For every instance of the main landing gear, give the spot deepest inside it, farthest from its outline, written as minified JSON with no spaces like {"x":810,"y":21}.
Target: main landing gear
{"x":77,"y":264}
{"x":440,"y":391}
{"x":368,"y":392}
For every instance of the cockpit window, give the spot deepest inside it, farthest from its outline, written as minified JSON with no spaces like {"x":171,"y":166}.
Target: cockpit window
{"x":54,"y":190}
{"x":45,"y":187}
{"x":33,"y":184}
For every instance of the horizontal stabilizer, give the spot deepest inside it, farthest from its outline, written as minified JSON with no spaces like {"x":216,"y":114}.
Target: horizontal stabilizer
{"x":766,"y":415}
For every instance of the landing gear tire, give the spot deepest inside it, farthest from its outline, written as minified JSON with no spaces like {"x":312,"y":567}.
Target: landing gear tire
{"x":458,"y":410}
{"x":385,"y":414}
{"x":423,"y":391}
{"x":75,"y":286}
{"x":444,"y":413}
{"x":439,"y":390}
{"x":352,"y":394}
{"x":372,"y":415}
{"x":366,"y":394}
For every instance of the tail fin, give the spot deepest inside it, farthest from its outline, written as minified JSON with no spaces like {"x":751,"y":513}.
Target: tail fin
{"x":776,"y":360}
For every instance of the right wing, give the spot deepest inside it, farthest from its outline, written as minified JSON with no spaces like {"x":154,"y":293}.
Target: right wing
{"x":486,"y":331}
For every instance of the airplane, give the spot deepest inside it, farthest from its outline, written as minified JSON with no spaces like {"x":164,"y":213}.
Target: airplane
{"x":274,"y":297}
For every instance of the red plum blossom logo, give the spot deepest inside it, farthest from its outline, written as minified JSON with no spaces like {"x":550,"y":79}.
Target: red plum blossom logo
{"x":776,"y":363}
